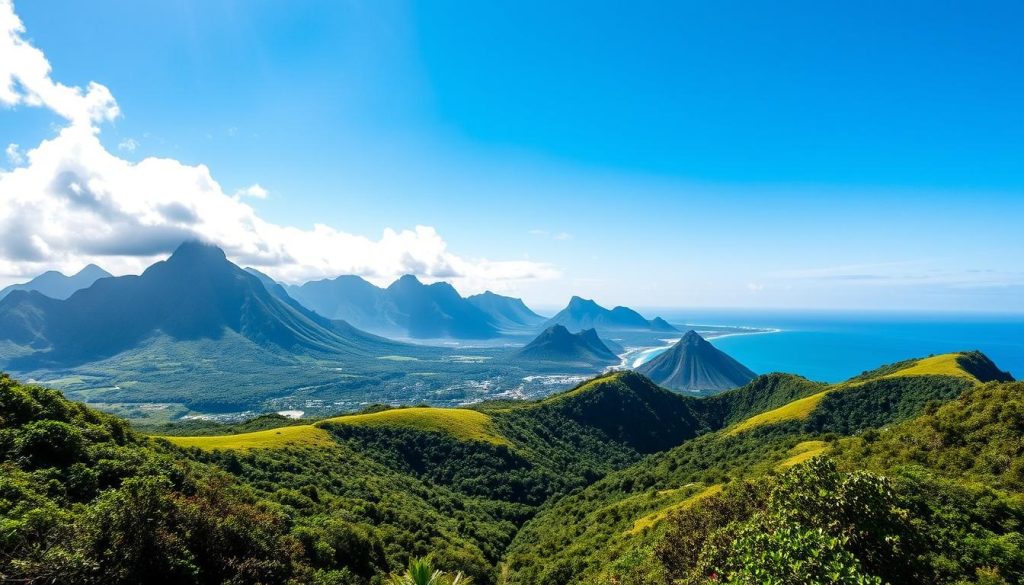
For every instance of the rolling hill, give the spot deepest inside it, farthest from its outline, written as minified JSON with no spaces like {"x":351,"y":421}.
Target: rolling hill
{"x":583,"y":313}
{"x":55,"y":285}
{"x":556,"y":344}
{"x":615,"y":480}
{"x":694,"y":365}
{"x":786,"y":422}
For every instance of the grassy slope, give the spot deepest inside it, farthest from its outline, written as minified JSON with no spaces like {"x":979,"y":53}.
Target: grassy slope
{"x":947,"y":365}
{"x":461,"y":423}
{"x":622,"y":511}
{"x":302,"y":435}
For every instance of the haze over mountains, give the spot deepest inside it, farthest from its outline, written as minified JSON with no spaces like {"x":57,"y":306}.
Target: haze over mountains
{"x":58,"y":286}
{"x":508,"y":313}
{"x":694,"y":365}
{"x":195,"y":294}
{"x":583,"y":314}
{"x":410,"y":308}
{"x":557,"y":344}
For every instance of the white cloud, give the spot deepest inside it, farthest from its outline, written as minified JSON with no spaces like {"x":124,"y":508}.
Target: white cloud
{"x":13,"y":153}
{"x":128,"y":144}
{"x":254,"y":190}
{"x":25,"y":79}
{"x":560,"y":236}
{"x":76,"y":202}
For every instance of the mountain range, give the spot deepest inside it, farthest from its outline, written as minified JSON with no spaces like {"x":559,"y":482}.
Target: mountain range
{"x":583,"y":313}
{"x":557,"y":344}
{"x":410,"y":308}
{"x":195,"y":294}
{"x":58,"y":286}
{"x":692,"y":364}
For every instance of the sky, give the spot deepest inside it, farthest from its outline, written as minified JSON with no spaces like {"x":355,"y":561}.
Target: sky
{"x":688,"y":154}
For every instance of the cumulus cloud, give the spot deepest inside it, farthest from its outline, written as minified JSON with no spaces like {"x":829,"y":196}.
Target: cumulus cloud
{"x":13,"y":153}
{"x":128,"y":144}
{"x":76,"y":202}
{"x":254,"y":190}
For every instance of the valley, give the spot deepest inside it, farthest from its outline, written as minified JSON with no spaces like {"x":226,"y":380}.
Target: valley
{"x":197,"y":336}
{"x":614,"y":480}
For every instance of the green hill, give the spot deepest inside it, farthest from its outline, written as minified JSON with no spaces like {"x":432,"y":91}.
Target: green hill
{"x":618,"y":519}
{"x":909,"y":473}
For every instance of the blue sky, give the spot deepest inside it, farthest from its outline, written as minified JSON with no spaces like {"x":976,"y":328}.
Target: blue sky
{"x":862,"y":155}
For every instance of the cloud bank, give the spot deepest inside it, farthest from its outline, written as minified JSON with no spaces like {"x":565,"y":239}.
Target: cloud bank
{"x":69,"y":201}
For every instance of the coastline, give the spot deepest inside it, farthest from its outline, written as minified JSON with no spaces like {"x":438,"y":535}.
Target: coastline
{"x":641,"y":355}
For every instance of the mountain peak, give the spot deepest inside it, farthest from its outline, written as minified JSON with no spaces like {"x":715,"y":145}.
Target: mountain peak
{"x":91,"y":269}
{"x":558,"y":344}
{"x":197,"y":251}
{"x":406,"y":281}
{"x":577,"y":303}
{"x":695,"y":365}
{"x":691,"y":337}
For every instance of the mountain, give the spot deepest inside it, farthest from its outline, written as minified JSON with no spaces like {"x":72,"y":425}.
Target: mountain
{"x":195,"y":294}
{"x":557,"y":344}
{"x":273,"y":287}
{"x":57,"y":286}
{"x":507,"y":313}
{"x":694,"y":365}
{"x":407,"y":308}
{"x":583,"y":313}
{"x":437,"y":310}
{"x":352,"y":299}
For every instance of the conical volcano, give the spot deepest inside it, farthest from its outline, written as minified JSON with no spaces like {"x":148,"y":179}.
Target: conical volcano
{"x":694,"y":365}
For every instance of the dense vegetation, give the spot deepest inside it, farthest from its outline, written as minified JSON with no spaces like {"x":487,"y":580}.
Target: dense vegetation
{"x":912,"y":473}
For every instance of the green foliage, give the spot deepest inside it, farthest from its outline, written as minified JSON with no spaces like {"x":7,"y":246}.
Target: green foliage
{"x":882,"y":401}
{"x":615,"y":481}
{"x":980,"y":436}
{"x":422,"y":572}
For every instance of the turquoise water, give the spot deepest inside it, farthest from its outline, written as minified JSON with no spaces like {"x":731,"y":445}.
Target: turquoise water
{"x":831,"y":347}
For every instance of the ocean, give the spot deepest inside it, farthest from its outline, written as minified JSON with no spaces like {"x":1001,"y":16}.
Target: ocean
{"x":833,"y":346}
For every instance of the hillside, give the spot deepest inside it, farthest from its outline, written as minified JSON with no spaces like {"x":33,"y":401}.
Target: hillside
{"x":694,"y":365}
{"x":556,"y":344}
{"x":55,"y":285}
{"x":615,"y":480}
{"x":620,"y":520}
{"x":583,"y":313}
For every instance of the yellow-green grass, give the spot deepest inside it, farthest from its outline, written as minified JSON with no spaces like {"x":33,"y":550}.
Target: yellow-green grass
{"x":461,"y":423}
{"x":655,"y":517}
{"x":796,"y":410}
{"x":947,"y":364}
{"x":300,"y":435}
{"x":584,"y":388}
{"x":804,"y":451}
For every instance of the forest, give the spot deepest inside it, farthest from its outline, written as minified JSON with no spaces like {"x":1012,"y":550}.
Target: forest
{"x":910,"y":473}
